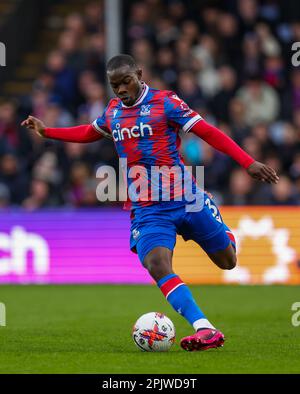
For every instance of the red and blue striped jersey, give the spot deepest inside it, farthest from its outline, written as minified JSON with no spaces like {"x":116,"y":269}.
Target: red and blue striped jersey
{"x":147,"y":133}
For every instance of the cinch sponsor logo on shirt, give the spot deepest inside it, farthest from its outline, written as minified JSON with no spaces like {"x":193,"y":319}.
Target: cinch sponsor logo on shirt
{"x":136,"y":131}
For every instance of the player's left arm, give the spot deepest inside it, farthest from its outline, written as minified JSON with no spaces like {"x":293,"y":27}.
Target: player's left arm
{"x":190,"y":121}
{"x":220,"y":141}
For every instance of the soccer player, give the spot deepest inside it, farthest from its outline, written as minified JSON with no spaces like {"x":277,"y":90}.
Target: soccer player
{"x":144,"y":124}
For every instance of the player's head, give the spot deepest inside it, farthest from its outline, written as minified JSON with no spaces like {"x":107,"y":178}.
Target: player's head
{"x":124,"y":76}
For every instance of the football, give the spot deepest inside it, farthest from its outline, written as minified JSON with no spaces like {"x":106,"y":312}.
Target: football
{"x":153,"y":332}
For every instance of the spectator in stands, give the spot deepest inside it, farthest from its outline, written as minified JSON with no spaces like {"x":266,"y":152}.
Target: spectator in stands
{"x":64,"y":78}
{"x":40,"y":196}
{"x":80,"y":177}
{"x":94,"y":95}
{"x":93,"y":16}
{"x":261,"y":101}
{"x":220,"y":101}
{"x":9,"y":129}
{"x":4,"y":196}
{"x":240,"y":189}
{"x":283,"y":193}
{"x":14,"y":177}
{"x":189,"y":90}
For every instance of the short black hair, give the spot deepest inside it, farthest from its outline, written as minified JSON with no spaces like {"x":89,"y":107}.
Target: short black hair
{"x":121,"y":60}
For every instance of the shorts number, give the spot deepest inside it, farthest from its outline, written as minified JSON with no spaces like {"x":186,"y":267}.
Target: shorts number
{"x":214,"y":210}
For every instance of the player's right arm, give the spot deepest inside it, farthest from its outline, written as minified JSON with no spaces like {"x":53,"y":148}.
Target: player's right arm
{"x":83,"y":133}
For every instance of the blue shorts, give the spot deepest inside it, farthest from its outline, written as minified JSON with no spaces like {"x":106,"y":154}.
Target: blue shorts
{"x":157,"y":225}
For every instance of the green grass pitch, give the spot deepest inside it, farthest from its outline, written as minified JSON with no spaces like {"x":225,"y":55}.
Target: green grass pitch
{"x":87,"y":329}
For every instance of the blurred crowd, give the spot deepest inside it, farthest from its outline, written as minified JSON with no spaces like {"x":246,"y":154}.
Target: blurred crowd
{"x":231,"y":62}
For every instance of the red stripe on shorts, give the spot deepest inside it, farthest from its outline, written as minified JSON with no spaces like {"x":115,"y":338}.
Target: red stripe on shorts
{"x":231,"y":236}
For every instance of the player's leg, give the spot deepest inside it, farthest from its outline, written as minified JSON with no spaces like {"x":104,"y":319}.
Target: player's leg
{"x":208,"y":230}
{"x":215,"y":247}
{"x":224,"y":259}
{"x":220,"y":247}
{"x":153,"y":238}
{"x":158,"y":262}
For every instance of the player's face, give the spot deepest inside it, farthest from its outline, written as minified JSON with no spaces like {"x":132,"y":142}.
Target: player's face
{"x":126,"y":84}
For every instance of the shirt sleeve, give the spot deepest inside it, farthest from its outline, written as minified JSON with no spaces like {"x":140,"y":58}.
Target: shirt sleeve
{"x":101,"y":124}
{"x":220,"y":141}
{"x":179,"y":112}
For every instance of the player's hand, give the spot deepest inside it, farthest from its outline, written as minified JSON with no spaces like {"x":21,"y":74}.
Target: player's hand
{"x":34,"y":124}
{"x":262,"y":172}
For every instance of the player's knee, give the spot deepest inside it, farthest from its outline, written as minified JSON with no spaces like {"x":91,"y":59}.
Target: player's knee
{"x":157,"y":266}
{"x":229,"y":262}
